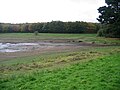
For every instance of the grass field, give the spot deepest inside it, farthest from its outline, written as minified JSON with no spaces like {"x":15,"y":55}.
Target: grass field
{"x":49,"y":36}
{"x":87,"y":68}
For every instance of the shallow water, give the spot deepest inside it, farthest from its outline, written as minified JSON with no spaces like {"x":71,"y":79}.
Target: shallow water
{"x":16,"y":47}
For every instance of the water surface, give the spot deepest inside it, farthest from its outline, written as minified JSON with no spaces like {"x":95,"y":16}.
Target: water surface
{"x":16,"y":47}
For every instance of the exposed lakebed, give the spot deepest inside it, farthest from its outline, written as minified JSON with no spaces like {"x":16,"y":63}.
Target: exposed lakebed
{"x":17,"y":47}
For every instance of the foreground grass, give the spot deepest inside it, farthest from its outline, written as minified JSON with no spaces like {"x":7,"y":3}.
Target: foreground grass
{"x":51,"y":59}
{"x":100,"y":74}
{"x":85,"y":69}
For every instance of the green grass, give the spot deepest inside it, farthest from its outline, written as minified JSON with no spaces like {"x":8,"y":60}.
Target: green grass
{"x":55,"y":58}
{"x":44,"y":35}
{"x":100,"y":74}
{"x":90,"y":68}
{"x":84,"y":69}
{"x":50,"y":36}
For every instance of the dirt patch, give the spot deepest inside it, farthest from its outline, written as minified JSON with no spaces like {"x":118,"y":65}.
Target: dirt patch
{"x":44,"y":47}
{"x":38,"y":51}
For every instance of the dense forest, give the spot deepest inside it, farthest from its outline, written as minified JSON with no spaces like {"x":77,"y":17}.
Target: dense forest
{"x":50,"y":27}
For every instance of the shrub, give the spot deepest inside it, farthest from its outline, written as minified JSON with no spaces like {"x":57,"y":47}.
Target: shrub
{"x":101,"y":32}
{"x":36,"y":33}
{"x":109,"y":31}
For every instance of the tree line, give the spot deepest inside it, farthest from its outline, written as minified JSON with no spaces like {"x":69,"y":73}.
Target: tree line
{"x":50,"y":27}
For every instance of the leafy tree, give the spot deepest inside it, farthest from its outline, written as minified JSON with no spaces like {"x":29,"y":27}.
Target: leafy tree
{"x":50,"y":27}
{"x":24,"y":28}
{"x":56,"y":26}
{"x":92,"y":27}
{"x":45,"y":27}
{"x":6,"y":28}
{"x":15,"y":28}
{"x":36,"y":27}
{"x":110,"y":17}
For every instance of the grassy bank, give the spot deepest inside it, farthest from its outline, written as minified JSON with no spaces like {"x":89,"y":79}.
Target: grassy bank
{"x":30,"y":37}
{"x":100,"y":74}
{"x":86,"y":68}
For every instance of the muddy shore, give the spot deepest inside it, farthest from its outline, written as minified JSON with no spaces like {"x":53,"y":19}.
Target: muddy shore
{"x":48,"y":46}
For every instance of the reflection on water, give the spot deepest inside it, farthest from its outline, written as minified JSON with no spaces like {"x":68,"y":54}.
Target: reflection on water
{"x":15,"y":47}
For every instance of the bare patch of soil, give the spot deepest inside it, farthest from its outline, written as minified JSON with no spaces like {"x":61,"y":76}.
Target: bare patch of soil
{"x":53,"y":48}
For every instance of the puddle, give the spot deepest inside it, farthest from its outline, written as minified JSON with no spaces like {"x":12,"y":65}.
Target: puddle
{"x":17,"y":47}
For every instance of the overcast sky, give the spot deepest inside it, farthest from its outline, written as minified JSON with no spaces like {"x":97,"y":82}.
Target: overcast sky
{"x":22,"y":11}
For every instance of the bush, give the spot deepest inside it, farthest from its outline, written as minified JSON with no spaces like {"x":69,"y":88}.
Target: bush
{"x":100,"y":33}
{"x":112,"y":31}
{"x":36,"y":33}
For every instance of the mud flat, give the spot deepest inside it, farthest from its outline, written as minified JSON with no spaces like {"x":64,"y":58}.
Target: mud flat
{"x":17,"y":47}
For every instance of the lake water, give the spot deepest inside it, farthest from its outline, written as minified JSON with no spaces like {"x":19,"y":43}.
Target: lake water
{"x":16,"y":47}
